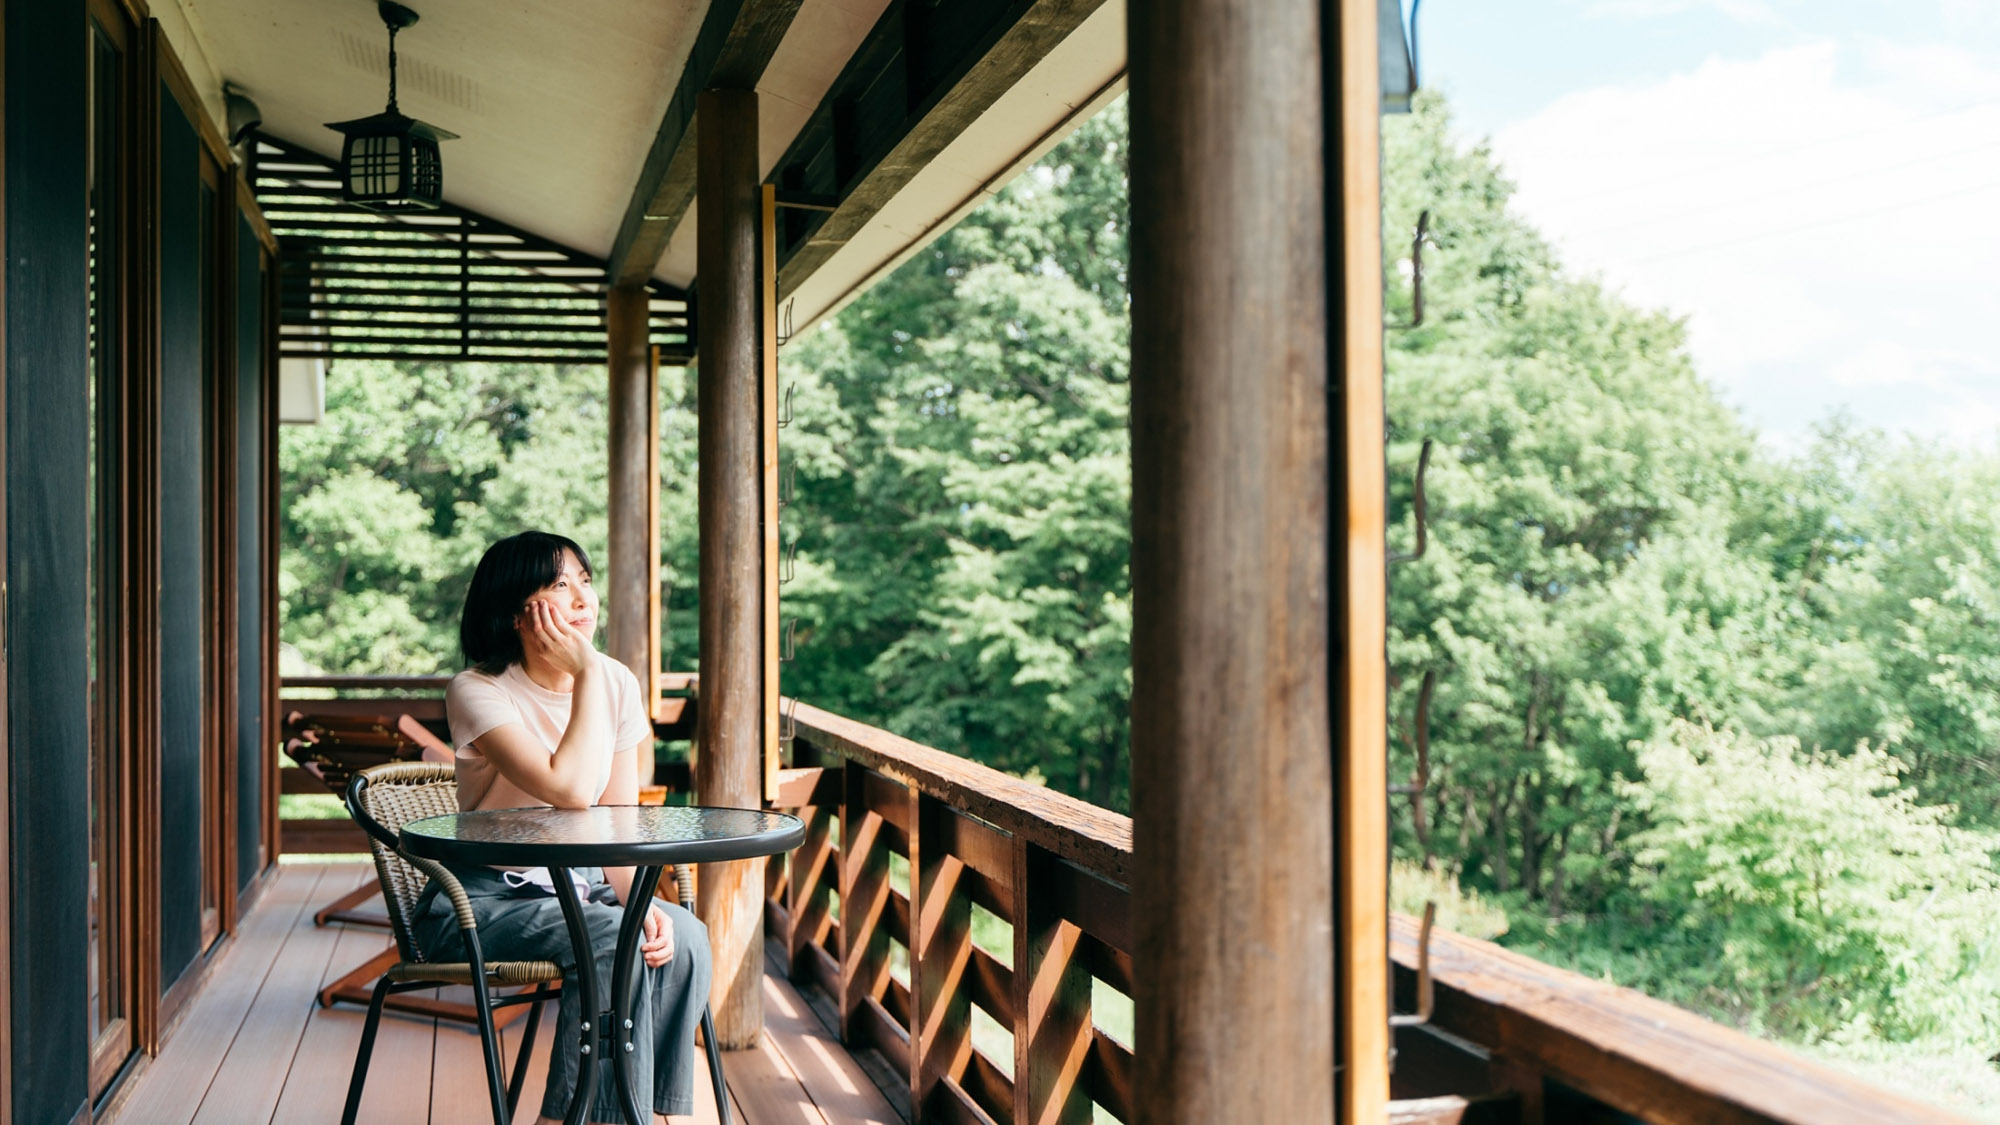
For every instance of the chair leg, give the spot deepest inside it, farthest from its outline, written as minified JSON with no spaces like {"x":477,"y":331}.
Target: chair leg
{"x":360,"y":1077}
{"x":488,"y":1038}
{"x":715,"y":1064}
{"x":526,"y":1048}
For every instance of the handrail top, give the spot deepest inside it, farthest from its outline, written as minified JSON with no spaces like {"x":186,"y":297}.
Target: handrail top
{"x":1619,"y":1045}
{"x":365,"y":683}
{"x":1093,"y":838}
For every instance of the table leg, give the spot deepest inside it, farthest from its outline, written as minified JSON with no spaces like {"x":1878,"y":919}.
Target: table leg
{"x":612,"y":1029}
{"x":625,"y":982}
{"x":586,"y":977}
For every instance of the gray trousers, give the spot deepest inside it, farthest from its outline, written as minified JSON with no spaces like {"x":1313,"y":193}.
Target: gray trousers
{"x":524,"y":924}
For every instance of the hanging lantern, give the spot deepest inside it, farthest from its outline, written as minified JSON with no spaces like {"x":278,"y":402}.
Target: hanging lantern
{"x":390,"y":162}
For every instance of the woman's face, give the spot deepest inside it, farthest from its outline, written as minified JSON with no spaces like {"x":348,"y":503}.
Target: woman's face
{"x":571,"y":595}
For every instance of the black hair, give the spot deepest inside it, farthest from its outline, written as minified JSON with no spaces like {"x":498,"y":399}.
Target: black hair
{"x":509,"y":573}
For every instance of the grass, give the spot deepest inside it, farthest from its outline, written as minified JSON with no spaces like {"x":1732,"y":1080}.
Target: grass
{"x":1943,"y":1072}
{"x":310,"y":806}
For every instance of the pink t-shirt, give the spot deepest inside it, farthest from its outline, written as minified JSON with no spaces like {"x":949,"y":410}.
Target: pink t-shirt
{"x":476,"y":703}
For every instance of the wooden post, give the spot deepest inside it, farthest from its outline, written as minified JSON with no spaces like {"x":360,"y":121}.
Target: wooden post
{"x":940,"y":954}
{"x":1051,"y":999}
{"x":1232,"y":787}
{"x":767,"y":436}
{"x":1360,"y":603}
{"x":632,"y":572}
{"x":729,"y":765}
{"x":864,"y":898}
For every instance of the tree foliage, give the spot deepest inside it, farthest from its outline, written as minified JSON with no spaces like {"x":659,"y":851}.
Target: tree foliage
{"x":1714,"y":720}
{"x":965,"y":479}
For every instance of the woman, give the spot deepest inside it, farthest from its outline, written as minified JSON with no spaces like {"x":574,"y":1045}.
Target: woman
{"x":542,"y":718}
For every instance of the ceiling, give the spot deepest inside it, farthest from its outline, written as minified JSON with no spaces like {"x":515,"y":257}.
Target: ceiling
{"x":556,"y":103}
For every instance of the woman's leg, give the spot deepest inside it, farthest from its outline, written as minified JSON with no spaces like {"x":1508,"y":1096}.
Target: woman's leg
{"x":672,"y":1000}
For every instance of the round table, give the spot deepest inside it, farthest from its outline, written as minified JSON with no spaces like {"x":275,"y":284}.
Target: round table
{"x":645,"y":837}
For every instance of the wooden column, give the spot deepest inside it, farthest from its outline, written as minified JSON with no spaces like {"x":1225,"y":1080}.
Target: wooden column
{"x":733,"y":483}
{"x":1360,"y":582}
{"x":1232,"y":787}
{"x":632,"y":572}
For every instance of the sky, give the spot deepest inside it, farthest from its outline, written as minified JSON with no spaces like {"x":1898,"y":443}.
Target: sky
{"x":1813,"y":184}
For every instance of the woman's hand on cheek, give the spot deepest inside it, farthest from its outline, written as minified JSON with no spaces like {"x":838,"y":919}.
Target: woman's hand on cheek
{"x":556,"y":640}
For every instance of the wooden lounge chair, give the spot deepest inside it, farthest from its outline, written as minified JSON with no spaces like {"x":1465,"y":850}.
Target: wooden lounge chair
{"x":331,"y":748}
{"x":334,"y":748}
{"x":382,"y":798}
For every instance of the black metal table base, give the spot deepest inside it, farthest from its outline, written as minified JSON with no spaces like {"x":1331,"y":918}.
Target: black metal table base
{"x":609,"y":1033}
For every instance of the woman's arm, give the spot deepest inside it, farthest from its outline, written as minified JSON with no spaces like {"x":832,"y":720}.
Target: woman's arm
{"x":567,"y":778}
{"x":623,"y":790}
{"x":658,"y":948}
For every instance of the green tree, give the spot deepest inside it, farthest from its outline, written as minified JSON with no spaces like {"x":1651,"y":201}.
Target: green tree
{"x":387,"y":503}
{"x":1814,"y":893}
{"x":964,"y":484}
{"x":1582,"y":584}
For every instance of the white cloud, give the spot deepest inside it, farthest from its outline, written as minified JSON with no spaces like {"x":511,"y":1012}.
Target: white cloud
{"x":1827,"y":216}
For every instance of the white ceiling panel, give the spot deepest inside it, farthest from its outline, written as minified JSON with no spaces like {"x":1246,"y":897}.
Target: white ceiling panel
{"x":555,"y":101}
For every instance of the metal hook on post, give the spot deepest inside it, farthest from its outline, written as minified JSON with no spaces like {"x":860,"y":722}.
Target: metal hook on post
{"x":788,"y":485}
{"x":785,"y":322}
{"x":788,"y":648}
{"x":1417,"y":268}
{"x":1426,"y":991}
{"x":1418,"y":787}
{"x":1420,"y":501}
{"x":785,"y":411}
{"x":788,"y":566}
{"x":788,"y":720}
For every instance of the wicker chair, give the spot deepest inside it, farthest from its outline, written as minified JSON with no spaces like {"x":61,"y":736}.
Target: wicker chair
{"x":382,"y":799}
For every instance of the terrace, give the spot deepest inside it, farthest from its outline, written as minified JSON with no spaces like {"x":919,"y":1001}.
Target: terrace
{"x":640,"y":185}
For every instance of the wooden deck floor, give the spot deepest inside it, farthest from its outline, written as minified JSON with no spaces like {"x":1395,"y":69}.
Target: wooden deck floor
{"x":255,"y":1047}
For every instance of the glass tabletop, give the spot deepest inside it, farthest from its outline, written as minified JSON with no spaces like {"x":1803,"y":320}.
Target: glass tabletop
{"x":614,"y":835}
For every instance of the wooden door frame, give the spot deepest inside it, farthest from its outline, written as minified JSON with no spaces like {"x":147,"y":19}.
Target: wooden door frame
{"x":270,"y":530}
{"x":220,"y":722}
{"x":143,"y":550}
{"x":109,"y":1055}
{"x":266,"y":532}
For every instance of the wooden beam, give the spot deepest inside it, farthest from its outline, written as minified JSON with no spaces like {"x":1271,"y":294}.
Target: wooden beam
{"x":922,"y":76}
{"x":1359,"y":547}
{"x":729,"y":764}
{"x":735,"y":44}
{"x":767,"y":438}
{"x":1233,"y":797}
{"x":632,"y":572}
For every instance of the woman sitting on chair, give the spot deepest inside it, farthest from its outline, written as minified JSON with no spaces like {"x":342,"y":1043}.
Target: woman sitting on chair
{"x":542,"y":718}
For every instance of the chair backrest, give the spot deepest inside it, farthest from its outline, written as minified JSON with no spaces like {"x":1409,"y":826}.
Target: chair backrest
{"x":335,"y":747}
{"x":382,"y":799}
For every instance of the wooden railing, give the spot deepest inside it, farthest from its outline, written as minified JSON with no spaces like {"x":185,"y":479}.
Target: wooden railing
{"x":906,"y":844}
{"x":1054,"y":869}
{"x":420,"y":697}
{"x":1510,"y":1039}
{"x":1564,"y":1047}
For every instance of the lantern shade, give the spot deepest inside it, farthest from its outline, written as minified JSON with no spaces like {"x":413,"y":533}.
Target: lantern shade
{"x":390,"y":162}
